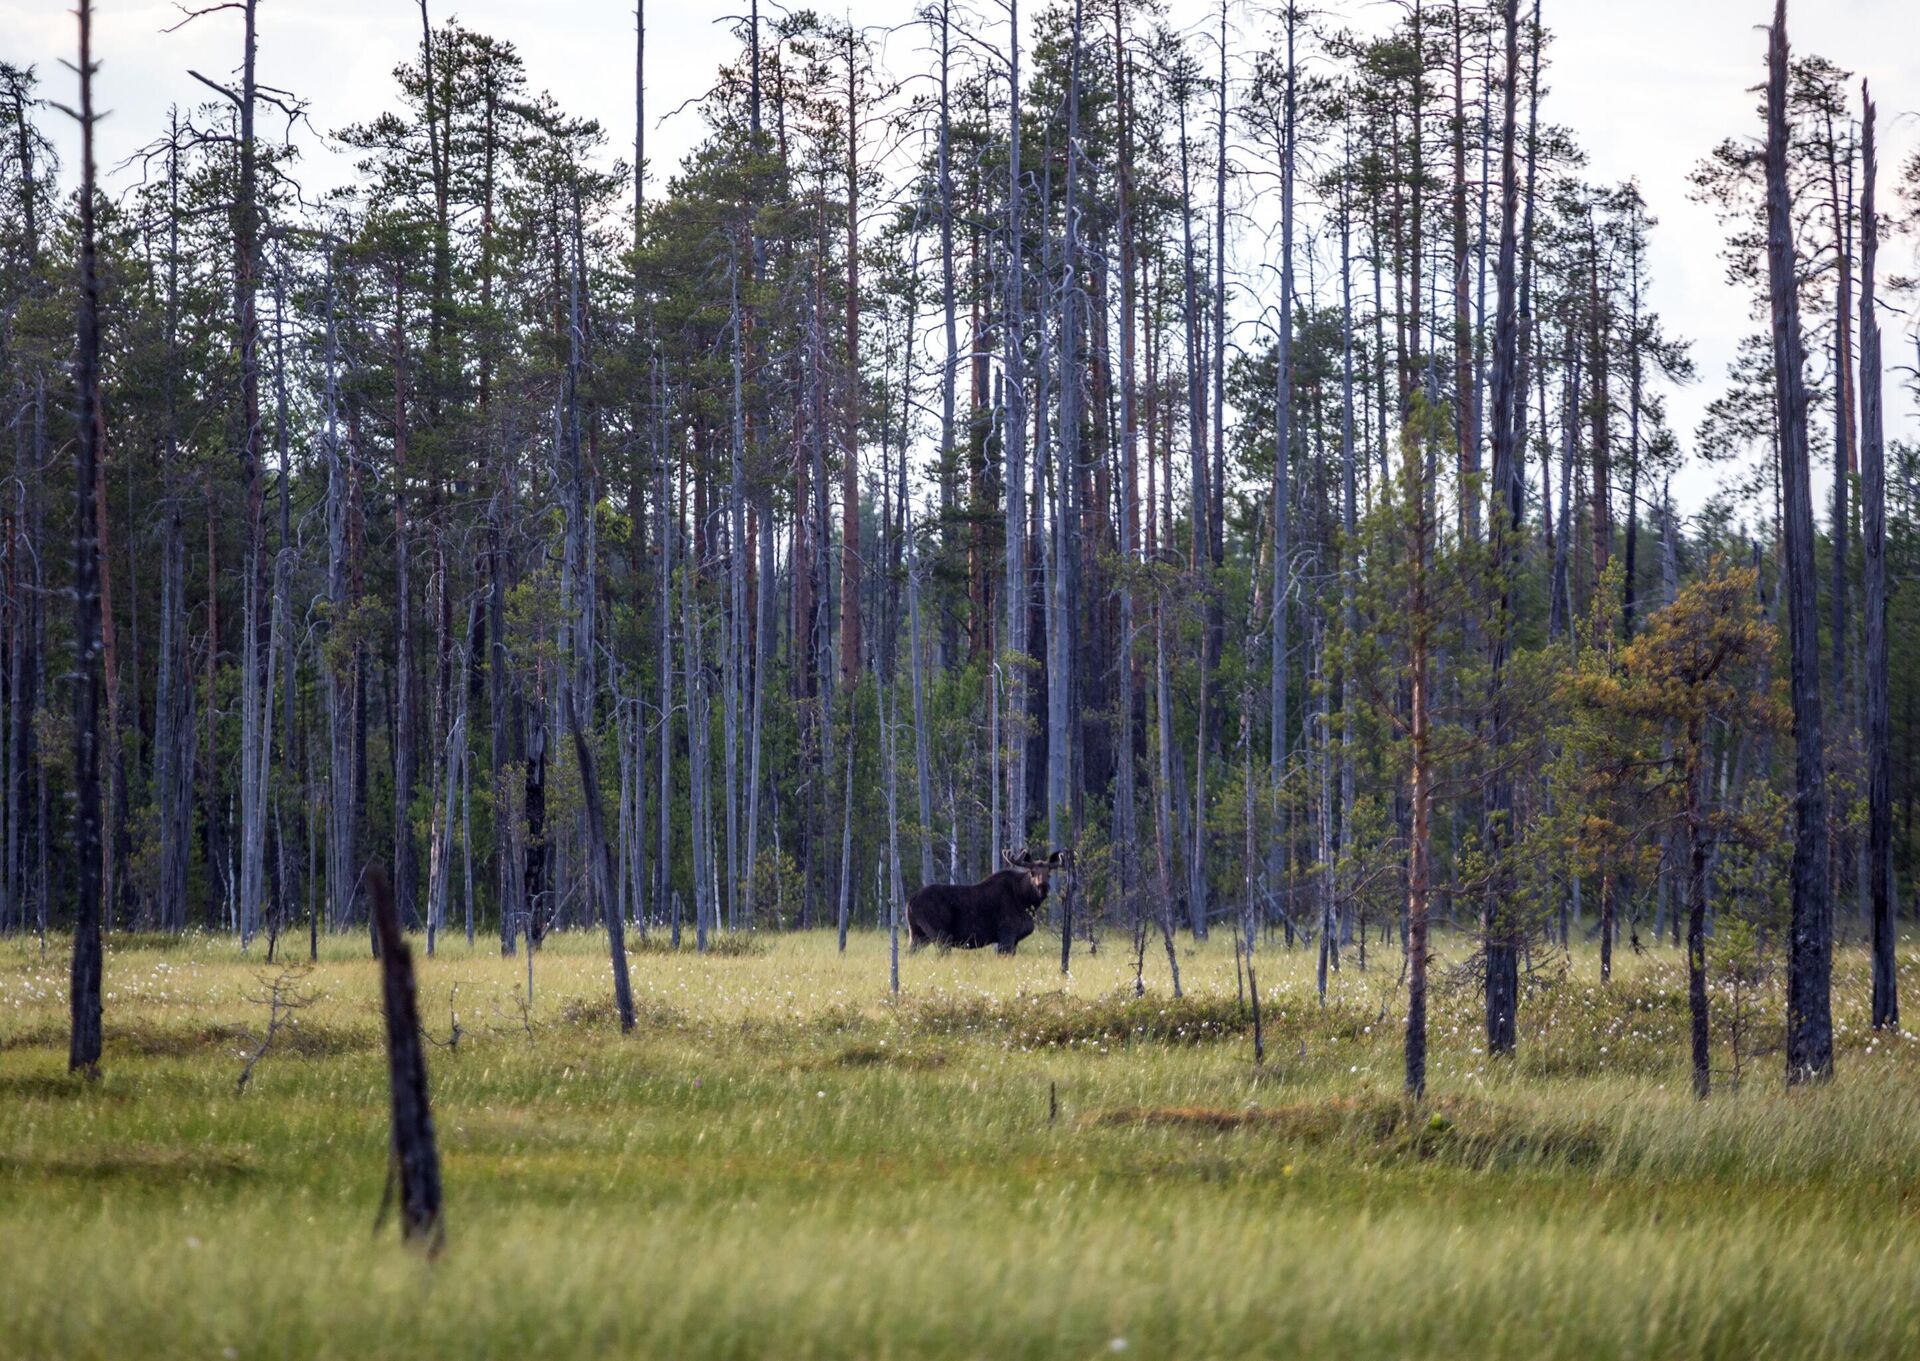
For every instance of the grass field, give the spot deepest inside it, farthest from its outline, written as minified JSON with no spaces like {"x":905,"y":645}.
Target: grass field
{"x":781,"y":1162}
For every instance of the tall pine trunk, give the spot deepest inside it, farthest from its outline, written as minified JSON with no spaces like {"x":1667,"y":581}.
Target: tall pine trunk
{"x":1810,"y":931}
{"x":83,"y":1052}
{"x":1886,"y":998}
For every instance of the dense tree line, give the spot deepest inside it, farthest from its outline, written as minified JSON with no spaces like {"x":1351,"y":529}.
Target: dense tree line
{"x":1238,"y":455}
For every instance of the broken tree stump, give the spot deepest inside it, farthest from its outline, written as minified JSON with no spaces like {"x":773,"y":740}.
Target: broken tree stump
{"x":414,"y":1159}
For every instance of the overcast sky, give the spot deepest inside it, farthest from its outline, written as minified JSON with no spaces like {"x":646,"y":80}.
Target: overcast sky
{"x":1649,"y":86}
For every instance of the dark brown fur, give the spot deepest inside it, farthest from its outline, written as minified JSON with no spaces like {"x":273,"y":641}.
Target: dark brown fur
{"x":998,"y":911}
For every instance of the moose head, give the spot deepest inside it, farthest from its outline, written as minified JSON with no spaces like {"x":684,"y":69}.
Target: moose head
{"x":1037,"y":869}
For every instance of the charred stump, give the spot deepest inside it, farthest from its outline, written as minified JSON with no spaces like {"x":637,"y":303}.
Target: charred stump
{"x":414,"y":1161}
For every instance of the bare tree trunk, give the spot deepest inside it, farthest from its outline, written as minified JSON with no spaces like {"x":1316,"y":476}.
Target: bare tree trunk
{"x":1126,"y":796}
{"x":1015,"y":442}
{"x":1697,"y":915}
{"x":506,"y":845}
{"x":1282,"y":508}
{"x":602,"y":859}
{"x":697,"y":736}
{"x":668,"y":535}
{"x":1886,"y":998}
{"x":1200,"y":506}
{"x":846,"y":824}
{"x":440,"y":853}
{"x":1064,"y":599}
{"x":1464,"y":400}
{"x":1635,"y":375}
{"x":1349,"y":517}
{"x":922,"y":761}
{"x":1420,"y":790}
{"x":1560,"y":607}
{"x":1508,"y":505}
{"x":405,"y":865}
{"x":890,"y":763}
{"x":1600,"y":411}
{"x":173,"y":692}
{"x":414,"y":1156}
{"x":735,"y":679}
{"x":1163,"y":801}
{"x":285,"y":564}
{"x":850,"y":449}
{"x":1216,"y":519}
{"x":343,"y":866}
{"x":83,"y":1052}
{"x":1810,"y":933}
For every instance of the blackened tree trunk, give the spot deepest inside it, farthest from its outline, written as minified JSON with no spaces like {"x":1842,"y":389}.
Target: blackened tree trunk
{"x":1697,"y":913}
{"x":343,"y":866}
{"x":1282,"y":492}
{"x":1465,"y":422}
{"x":1886,"y":999}
{"x":1503,"y":528}
{"x":1420,"y":796}
{"x":246,"y":222}
{"x":1015,"y":440}
{"x":506,"y":867}
{"x":850,"y":446}
{"x":1810,"y":932}
{"x":1062,"y":730}
{"x":173,"y":692}
{"x":83,"y":1052}
{"x":415,"y":1157}
{"x":1126,"y":795}
{"x":602,"y":857}
{"x":405,"y":861}
{"x":1199,"y":503}
{"x":668,"y":534}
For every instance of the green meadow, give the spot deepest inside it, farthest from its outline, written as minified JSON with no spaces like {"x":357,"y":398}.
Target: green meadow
{"x":782,"y":1161}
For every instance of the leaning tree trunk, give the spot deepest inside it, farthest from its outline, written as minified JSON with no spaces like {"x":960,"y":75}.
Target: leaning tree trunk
{"x":602,"y":858}
{"x":414,"y":1156}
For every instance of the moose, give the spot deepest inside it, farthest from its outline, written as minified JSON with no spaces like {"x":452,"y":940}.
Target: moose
{"x":997,"y":911}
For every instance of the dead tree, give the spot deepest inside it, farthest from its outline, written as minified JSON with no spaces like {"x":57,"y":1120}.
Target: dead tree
{"x":1810,"y":931}
{"x":414,"y":1159}
{"x":1886,"y":999}
{"x":282,"y":998}
{"x":83,"y":1053}
{"x":602,"y":857}
{"x":1505,"y":510}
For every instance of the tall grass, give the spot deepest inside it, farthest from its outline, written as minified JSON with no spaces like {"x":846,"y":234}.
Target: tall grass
{"x":783,"y":1161}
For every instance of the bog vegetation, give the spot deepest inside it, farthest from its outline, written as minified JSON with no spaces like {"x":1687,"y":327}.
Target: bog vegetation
{"x":1229,"y":465}
{"x":780,"y":1160}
